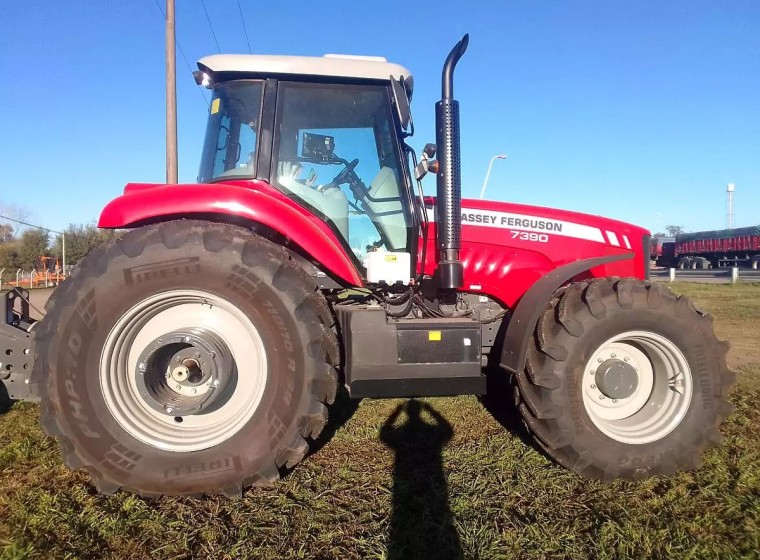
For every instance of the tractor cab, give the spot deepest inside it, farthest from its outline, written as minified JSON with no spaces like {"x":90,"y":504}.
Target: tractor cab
{"x":323,"y":131}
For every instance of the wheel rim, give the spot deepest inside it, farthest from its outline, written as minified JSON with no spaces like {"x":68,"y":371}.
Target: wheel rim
{"x":149,"y":393}
{"x":637,"y":387}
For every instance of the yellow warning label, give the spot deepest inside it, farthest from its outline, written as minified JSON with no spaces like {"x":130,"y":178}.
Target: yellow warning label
{"x":434,"y":336}
{"x":391,"y":258}
{"x":215,"y":106}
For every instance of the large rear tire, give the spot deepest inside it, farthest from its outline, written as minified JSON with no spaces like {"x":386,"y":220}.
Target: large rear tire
{"x":624,"y":380}
{"x":186,"y":357}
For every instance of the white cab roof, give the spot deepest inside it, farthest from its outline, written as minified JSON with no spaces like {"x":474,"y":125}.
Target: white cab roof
{"x":344,"y":66}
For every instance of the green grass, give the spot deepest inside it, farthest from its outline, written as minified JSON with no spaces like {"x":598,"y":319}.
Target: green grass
{"x":489,"y":495}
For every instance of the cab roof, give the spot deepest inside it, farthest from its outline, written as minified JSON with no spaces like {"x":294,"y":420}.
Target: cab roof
{"x":333,"y":65}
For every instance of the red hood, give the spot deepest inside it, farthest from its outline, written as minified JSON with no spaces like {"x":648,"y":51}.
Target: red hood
{"x":605,"y":225}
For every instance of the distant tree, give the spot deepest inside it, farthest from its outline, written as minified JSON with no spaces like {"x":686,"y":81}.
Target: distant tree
{"x":17,"y":213}
{"x":674,"y":230}
{"x":9,"y":256}
{"x":6,"y":233}
{"x":33,"y":243}
{"x":80,"y":240}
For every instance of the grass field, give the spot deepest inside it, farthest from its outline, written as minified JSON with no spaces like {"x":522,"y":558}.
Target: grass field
{"x":488,"y":494}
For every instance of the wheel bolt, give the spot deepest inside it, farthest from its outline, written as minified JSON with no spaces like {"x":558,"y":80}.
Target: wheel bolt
{"x":612,"y":355}
{"x":178,"y":359}
{"x":187,"y":339}
{"x":194,"y":391}
{"x":142,"y":366}
{"x":600,"y":360}
{"x":592,"y":372}
{"x":614,"y":401}
{"x":216,"y":383}
{"x":169,"y":409}
{"x":212,"y":354}
{"x":626,"y":359}
{"x":601,"y":397}
{"x":593,"y":386}
{"x":197,"y":355}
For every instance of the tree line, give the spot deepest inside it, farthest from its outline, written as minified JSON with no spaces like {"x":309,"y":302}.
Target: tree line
{"x":22,"y":249}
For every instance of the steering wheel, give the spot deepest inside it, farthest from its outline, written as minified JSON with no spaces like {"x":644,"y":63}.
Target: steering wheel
{"x":346,"y":174}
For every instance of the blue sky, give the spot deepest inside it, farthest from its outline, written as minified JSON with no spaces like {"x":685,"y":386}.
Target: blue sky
{"x":641,"y":111}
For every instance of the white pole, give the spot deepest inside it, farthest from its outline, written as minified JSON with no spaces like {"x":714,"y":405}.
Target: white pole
{"x":488,"y":173}
{"x":672,"y":274}
{"x":734,"y":275}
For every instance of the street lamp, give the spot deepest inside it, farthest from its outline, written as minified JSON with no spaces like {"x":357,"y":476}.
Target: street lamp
{"x":488,"y":173}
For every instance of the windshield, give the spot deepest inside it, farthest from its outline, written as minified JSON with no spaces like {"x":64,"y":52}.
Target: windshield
{"x":336,"y":154}
{"x":229,"y":149}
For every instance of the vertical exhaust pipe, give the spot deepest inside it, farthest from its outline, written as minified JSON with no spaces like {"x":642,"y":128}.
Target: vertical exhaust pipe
{"x":449,"y":178}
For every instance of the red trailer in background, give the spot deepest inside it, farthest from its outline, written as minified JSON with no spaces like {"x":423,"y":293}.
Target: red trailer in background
{"x":710,"y":249}
{"x":656,"y":247}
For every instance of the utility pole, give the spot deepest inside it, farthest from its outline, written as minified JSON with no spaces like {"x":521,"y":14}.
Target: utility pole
{"x":171,"y":96}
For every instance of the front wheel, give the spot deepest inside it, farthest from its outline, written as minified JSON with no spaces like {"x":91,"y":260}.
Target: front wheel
{"x":624,"y":380}
{"x":186,"y":358}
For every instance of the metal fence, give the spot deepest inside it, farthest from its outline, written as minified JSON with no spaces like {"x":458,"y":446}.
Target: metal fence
{"x":29,"y":278}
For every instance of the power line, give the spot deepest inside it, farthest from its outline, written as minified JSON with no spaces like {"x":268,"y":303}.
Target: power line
{"x":208,"y":19}
{"x":179,"y":47}
{"x":30,"y":225}
{"x":242,"y":19}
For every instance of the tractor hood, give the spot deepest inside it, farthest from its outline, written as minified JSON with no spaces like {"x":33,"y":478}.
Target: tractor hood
{"x":552,"y":221}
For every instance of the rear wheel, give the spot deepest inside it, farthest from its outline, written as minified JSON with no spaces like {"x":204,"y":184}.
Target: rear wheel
{"x":624,"y":380}
{"x":186,"y":358}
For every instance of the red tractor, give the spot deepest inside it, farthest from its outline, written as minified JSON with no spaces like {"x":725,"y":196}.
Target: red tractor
{"x":200,"y":351}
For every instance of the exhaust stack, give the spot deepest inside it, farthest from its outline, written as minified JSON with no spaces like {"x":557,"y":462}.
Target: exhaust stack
{"x":449,"y":177}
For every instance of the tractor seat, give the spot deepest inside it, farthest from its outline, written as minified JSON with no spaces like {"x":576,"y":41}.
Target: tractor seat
{"x":387,"y":215}
{"x":333,"y":203}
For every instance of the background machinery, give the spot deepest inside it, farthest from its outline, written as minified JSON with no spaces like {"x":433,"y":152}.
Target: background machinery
{"x":719,"y":248}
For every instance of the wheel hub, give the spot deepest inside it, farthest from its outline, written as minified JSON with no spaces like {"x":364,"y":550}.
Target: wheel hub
{"x":637,"y":387}
{"x":616,"y":379}
{"x":184,"y":372}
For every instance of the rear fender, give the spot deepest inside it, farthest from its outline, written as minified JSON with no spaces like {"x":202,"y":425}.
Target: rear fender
{"x":531,"y":305}
{"x":141,"y":204}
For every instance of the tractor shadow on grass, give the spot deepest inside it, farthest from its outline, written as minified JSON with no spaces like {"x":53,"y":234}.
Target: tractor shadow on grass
{"x":421,"y":523}
{"x":5,"y":401}
{"x":499,"y":401}
{"x":341,"y":411}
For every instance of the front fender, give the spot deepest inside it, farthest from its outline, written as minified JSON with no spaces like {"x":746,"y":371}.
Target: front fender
{"x":142,"y":203}
{"x":532,"y":304}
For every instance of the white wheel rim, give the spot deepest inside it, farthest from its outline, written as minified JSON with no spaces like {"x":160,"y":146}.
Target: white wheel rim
{"x":660,"y":399}
{"x":153,"y":318}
